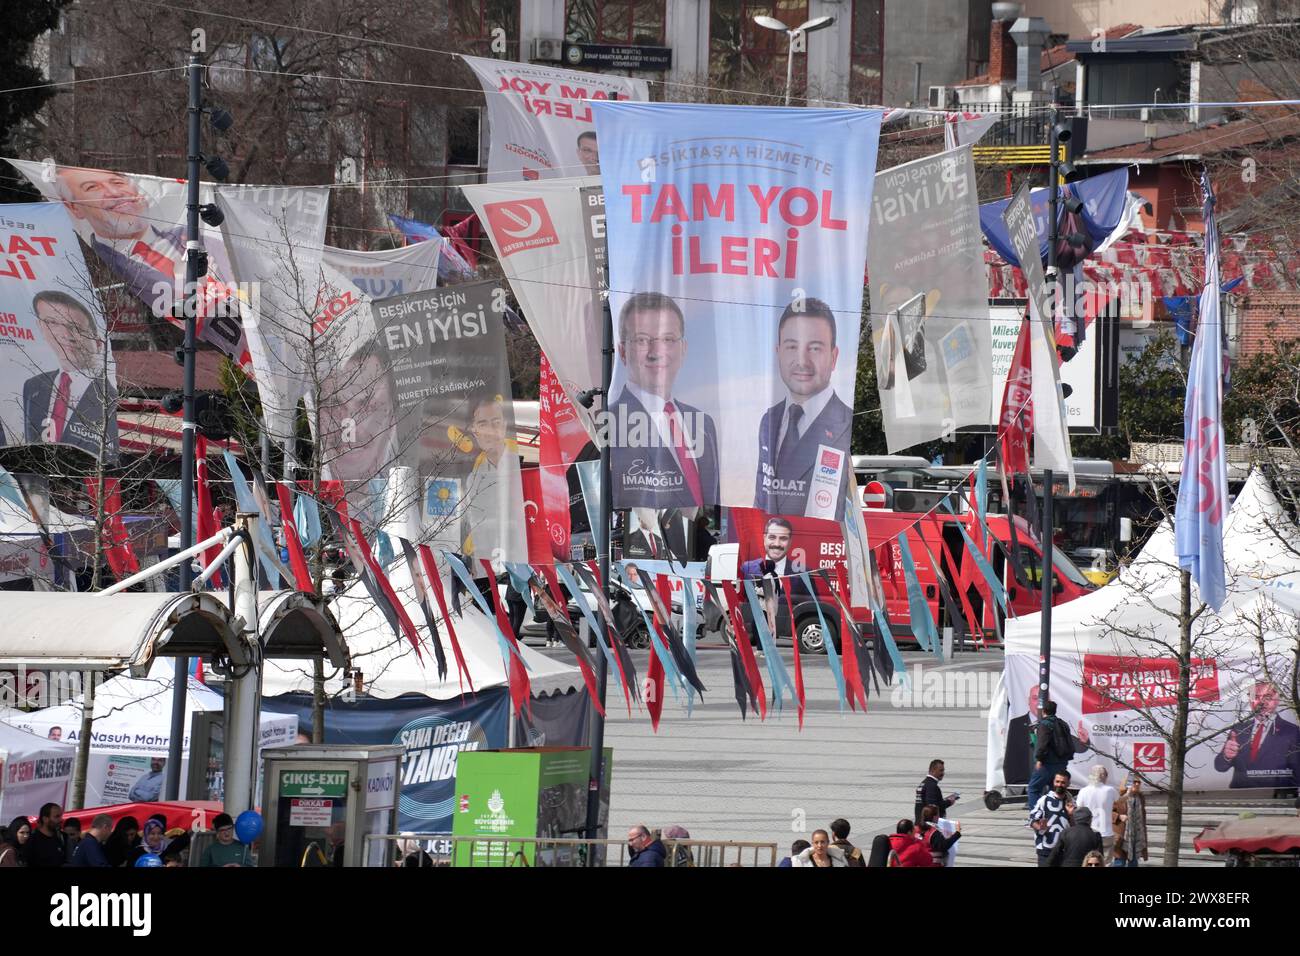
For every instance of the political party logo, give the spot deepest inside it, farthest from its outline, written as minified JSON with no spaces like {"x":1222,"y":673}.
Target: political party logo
{"x":824,"y":499}
{"x":442,"y":498}
{"x":830,"y":459}
{"x":1149,"y":756}
{"x":519,"y":224}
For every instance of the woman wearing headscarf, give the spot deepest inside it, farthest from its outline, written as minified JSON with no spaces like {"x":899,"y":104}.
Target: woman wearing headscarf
{"x":13,"y":851}
{"x":153,"y":839}
{"x":122,"y":840}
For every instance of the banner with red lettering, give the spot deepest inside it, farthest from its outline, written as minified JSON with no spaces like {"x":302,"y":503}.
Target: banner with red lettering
{"x":58,"y":382}
{"x":1016,"y":421}
{"x":541,"y":119}
{"x":561,"y":440}
{"x":737,"y":242}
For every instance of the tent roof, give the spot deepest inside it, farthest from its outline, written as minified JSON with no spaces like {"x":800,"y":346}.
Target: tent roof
{"x":46,"y":630}
{"x":390,"y":666}
{"x":1261,"y":550}
{"x":20,"y":743}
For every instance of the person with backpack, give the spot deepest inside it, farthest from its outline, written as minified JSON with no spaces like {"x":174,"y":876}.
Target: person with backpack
{"x":840,"y":830}
{"x":905,"y":849}
{"x":1054,"y":749}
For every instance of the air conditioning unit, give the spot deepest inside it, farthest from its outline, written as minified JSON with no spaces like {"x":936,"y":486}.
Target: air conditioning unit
{"x":942,"y":98}
{"x":548,"y":49}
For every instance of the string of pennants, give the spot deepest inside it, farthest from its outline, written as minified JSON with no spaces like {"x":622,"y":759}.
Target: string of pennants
{"x":856,"y":666}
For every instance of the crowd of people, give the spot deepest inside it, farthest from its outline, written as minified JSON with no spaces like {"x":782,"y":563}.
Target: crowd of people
{"x":51,"y":841}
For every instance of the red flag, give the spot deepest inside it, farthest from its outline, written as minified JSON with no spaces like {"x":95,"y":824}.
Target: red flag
{"x":848,"y":646}
{"x":208,"y":523}
{"x":535,"y":520}
{"x":747,"y":657}
{"x":521,"y":690}
{"x":553,"y":585}
{"x":435,"y":583}
{"x":457,"y":234}
{"x":385,"y":589}
{"x":616,"y":645}
{"x":116,"y":539}
{"x":1016,"y":421}
{"x":297,"y":560}
{"x":561,"y":440}
{"x":794,"y":636}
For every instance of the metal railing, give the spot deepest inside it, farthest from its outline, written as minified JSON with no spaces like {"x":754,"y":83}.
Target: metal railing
{"x":445,"y":849}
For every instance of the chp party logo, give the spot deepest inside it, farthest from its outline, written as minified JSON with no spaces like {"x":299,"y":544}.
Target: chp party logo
{"x":1149,"y":756}
{"x":519,"y":224}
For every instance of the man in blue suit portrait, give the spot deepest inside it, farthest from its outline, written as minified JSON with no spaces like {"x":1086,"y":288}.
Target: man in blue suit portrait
{"x":1263,"y":750}
{"x":811,"y":415}
{"x":664,"y":452}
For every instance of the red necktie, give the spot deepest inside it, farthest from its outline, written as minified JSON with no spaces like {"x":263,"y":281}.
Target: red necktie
{"x":687,"y":463}
{"x":1257,"y":741}
{"x":156,"y":259}
{"x":61,"y":397}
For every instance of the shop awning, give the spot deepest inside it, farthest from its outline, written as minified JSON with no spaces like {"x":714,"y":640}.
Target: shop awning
{"x":67,"y":631}
{"x":298,"y":625}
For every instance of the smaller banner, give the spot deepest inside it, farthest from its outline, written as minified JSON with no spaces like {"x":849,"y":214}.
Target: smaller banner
{"x":388,"y":272}
{"x":541,"y":119}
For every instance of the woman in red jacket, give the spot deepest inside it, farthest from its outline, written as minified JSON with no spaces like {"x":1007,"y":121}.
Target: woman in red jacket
{"x":906,"y":849}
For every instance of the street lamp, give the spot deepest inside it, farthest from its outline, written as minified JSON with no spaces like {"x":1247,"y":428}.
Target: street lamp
{"x":808,"y":26}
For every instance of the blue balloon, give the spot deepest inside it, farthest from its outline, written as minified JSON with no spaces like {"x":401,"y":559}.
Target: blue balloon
{"x":149,"y":860}
{"x":248,"y":826}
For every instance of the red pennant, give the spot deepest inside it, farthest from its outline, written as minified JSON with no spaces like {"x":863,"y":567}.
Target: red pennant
{"x":747,"y":657}
{"x":794,"y":635}
{"x":116,"y":539}
{"x":616,"y":643}
{"x":521,"y":691}
{"x":561,"y":439}
{"x":435,"y":585}
{"x":386,"y":589}
{"x":297,"y":559}
{"x":208,"y":522}
{"x":553,"y":585}
{"x":1016,"y":420}
{"x":848,"y":646}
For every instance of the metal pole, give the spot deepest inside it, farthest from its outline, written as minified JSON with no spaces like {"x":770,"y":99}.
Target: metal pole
{"x":606,"y":519}
{"x":244,"y":689}
{"x":172,"y":785}
{"x":789,"y":69}
{"x":1049,"y":530}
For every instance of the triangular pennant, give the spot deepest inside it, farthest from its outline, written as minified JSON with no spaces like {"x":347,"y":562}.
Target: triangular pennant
{"x":422,"y":598}
{"x":430,"y":565}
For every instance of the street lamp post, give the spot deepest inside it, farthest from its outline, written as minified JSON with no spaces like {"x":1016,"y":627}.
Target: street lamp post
{"x":808,"y":26}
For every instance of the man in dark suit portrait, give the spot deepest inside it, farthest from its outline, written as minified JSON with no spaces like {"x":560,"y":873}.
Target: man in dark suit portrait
{"x":1263,"y":750}
{"x":776,"y":551}
{"x":794,"y":431}
{"x":1018,"y":755}
{"x":664,"y":452}
{"x":67,"y":405}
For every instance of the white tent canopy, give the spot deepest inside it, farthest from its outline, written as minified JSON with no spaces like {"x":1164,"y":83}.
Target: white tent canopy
{"x":390,"y":666}
{"x":33,"y":771}
{"x":132,"y":728}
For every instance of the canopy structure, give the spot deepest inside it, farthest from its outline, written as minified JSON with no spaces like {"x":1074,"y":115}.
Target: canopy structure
{"x":1114,"y":669}
{"x":293,"y":624}
{"x":391,"y":667}
{"x":1272,"y":834}
{"x":33,"y":771}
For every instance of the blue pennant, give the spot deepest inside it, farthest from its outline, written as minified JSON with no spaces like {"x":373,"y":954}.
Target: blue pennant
{"x":462,"y":572}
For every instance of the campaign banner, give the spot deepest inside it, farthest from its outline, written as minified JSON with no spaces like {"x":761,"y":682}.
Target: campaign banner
{"x":929,"y":299}
{"x":543,"y":237}
{"x":735,"y":265}
{"x":1118,"y":707}
{"x":541,"y":118}
{"x":432,"y":733}
{"x":58,"y":381}
{"x":384,"y":273}
{"x":561,"y":439}
{"x":1051,"y":436}
{"x":136,"y":226}
{"x":451,"y":414}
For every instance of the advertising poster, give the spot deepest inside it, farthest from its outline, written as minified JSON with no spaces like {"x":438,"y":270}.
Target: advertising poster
{"x":541,"y":117}
{"x":539,"y":232}
{"x":58,"y":382}
{"x":1079,"y":376}
{"x":735,"y":269}
{"x":1114,"y":706}
{"x":136,"y":226}
{"x":452,"y":414}
{"x":929,"y":299}
{"x":786,"y":546}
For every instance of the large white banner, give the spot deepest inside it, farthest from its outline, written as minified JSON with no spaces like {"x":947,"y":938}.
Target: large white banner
{"x":388,"y":272}
{"x":1079,"y":374}
{"x":58,"y":382}
{"x":541,"y":120}
{"x":929,"y":299}
{"x":541,"y":234}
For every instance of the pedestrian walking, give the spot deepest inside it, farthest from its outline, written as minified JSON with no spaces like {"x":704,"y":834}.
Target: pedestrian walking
{"x":928,"y":793}
{"x":90,"y":851}
{"x":1050,"y":816}
{"x":45,"y":848}
{"x":840,"y":831}
{"x":1055,"y":747}
{"x":1078,"y":840}
{"x":1129,"y":817}
{"x":1099,"y":797}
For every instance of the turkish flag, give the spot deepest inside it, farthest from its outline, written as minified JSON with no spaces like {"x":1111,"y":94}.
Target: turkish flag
{"x":535,"y":524}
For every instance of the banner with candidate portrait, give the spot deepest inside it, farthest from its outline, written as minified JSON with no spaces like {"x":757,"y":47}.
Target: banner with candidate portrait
{"x":929,"y":299}
{"x":737,"y":242}
{"x":549,"y":240}
{"x":58,"y":381}
{"x":135,"y":225}
{"x":451,"y":416}
{"x":541,"y":120}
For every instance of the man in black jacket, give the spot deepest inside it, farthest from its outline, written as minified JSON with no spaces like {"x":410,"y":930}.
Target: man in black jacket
{"x":1076,"y":842}
{"x":928,"y":793}
{"x":46,"y":846}
{"x":1054,"y":749}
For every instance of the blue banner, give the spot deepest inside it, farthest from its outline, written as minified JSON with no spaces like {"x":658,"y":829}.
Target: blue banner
{"x":433,"y":733}
{"x":737,"y":242}
{"x":1105,"y":205}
